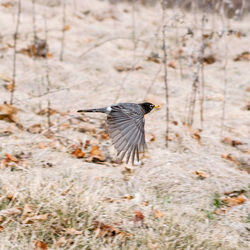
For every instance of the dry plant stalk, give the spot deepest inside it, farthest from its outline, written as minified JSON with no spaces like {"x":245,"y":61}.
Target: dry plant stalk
{"x":165,"y":58}
{"x":34,"y":19}
{"x":15,"y":52}
{"x":225,"y":82}
{"x":63,"y":29}
{"x":47,"y":73}
{"x":202,"y":85}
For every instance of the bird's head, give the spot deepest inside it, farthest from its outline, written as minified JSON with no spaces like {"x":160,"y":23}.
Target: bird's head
{"x":147,"y":106}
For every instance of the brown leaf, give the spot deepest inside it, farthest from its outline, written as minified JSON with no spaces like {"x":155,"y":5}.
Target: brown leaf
{"x":230,"y":158}
{"x":154,"y":57}
{"x":46,"y":111}
{"x":231,"y":142}
{"x":10,"y":87}
{"x":38,"y":49}
{"x":61,"y":242}
{"x":73,"y":231}
{"x":78,"y":153}
{"x":66,"y":27}
{"x":210,"y":59}
{"x":244,"y":56}
{"x":103,"y":230}
{"x":1,"y":229}
{"x":35,"y":128}
{"x":87,"y":128}
{"x":96,"y":154}
{"x":139,"y":217}
{"x":235,"y":201}
{"x":152,"y":137}
{"x":172,"y":64}
{"x":8,"y":113}
{"x":40,"y":245}
{"x":121,"y":68}
{"x":158,"y":214}
{"x":36,"y":218}
{"x":27,"y":211}
{"x":104,"y":136}
{"x":11,"y":211}
{"x":200,"y":174}
{"x":7,"y":5}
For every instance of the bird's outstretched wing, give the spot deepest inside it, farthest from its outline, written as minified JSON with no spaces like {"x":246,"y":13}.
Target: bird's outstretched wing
{"x":126,"y":129}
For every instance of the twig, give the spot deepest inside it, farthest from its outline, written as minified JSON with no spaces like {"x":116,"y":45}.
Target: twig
{"x":63,"y":29}
{"x":134,"y":28}
{"x":225,"y":83}
{"x":202,"y":85}
{"x":34,"y":19}
{"x":165,"y":58}
{"x":47,"y":72}
{"x":15,"y":52}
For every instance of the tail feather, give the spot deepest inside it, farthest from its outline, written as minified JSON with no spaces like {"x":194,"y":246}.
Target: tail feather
{"x":100,"y":110}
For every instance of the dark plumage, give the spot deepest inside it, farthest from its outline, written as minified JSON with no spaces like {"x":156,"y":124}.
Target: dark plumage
{"x":126,"y":127}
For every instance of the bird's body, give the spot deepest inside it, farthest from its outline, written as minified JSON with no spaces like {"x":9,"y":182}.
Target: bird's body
{"x":126,"y":127}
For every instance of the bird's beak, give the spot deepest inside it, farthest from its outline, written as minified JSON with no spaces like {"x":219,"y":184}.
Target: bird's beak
{"x":156,"y":106}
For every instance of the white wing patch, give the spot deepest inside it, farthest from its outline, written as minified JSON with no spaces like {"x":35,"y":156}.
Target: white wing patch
{"x":109,"y":109}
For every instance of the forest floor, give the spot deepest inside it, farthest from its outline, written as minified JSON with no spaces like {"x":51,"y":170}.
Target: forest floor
{"x":63,"y":187}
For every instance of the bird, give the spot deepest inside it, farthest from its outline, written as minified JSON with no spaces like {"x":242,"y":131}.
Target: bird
{"x":126,"y":127}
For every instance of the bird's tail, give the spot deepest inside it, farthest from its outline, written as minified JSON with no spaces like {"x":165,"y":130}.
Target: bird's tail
{"x":100,"y":110}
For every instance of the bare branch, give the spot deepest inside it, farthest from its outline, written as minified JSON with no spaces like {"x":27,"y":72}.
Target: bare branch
{"x":15,"y":52}
{"x":165,"y":58}
{"x":63,"y":29}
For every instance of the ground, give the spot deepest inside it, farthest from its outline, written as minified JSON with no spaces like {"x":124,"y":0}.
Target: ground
{"x":62,"y":186}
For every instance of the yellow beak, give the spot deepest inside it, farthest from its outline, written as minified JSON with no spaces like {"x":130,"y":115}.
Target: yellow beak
{"x":156,"y":106}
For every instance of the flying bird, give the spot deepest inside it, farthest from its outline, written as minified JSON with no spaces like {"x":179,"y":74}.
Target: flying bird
{"x":126,"y":127}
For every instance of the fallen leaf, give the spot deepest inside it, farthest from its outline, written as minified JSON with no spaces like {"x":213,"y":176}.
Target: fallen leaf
{"x":230,"y":158}
{"x":209,"y":59}
{"x":172,"y":64}
{"x":7,"y":5}
{"x":234,"y":201}
{"x":73,"y":231}
{"x":96,"y":154}
{"x":27,"y":211}
{"x":122,"y":68}
{"x":158,"y":214}
{"x":139,"y":217}
{"x":11,"y":211}
{"x":87,"y":144}
{"x":8,"y":113}
{"x":66,"y":27}
{"x":38,"y":49}
{"x":103,"y":230}
{"x":154,"y":57}
{"x":244,"y":56}
{"x":40,"y":245}
{"x":46,"y":111}
{"x":1,"y":229}
{"x":36,"y":218}
{"x":41,"y":145}
{"x":231,"y":142}
{"x":8,"y":158}
{"x":200,"y":174}
{"x":104,"y":136}
{"x":78,"y":153}
{"x":152,"y":137}
{"x":87,"y":128}
{"x":35,"y":128}
{"x":61,"y":242}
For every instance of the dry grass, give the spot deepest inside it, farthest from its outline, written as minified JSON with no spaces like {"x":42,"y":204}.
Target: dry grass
{"x":74,"y":193}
